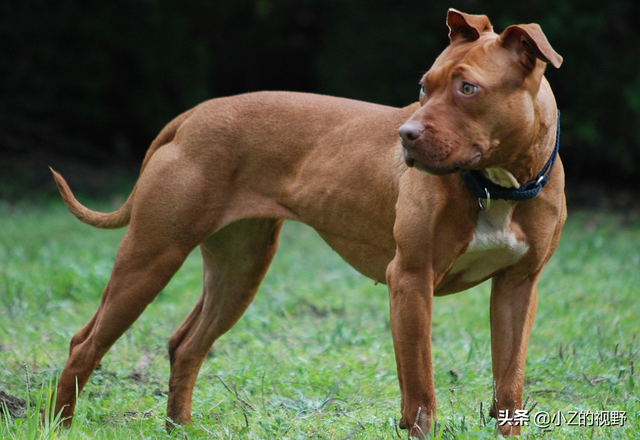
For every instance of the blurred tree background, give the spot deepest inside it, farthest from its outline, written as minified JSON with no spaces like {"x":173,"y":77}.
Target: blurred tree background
{"x":89,"y":84}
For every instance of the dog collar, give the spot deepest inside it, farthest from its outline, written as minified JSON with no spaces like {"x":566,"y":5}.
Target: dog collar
{"x":484,"y":188}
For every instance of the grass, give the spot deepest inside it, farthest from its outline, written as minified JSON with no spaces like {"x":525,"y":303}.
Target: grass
{"x":312,"y":358}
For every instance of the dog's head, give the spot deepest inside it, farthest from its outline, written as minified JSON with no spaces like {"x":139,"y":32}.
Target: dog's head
{"x":481,"y":98}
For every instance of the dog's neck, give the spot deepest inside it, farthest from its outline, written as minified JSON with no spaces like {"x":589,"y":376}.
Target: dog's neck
{"x":529,"y":166}
{"x":499,"y":183}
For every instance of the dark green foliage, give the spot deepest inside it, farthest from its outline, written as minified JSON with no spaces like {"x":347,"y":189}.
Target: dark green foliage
{"x":98,"y":80}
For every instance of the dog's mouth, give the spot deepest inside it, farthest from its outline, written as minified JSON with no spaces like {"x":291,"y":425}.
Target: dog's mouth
{"x":410,"y":161}
{"x":442,"y":167}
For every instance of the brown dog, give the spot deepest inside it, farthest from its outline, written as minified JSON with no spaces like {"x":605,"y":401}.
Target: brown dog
{"x":226,"y":174}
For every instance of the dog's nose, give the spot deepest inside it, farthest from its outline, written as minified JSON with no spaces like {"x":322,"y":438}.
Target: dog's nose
{"x":409,"y":132}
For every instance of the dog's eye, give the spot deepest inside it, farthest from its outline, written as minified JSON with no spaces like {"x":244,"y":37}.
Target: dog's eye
{"x":423,"y":91}
{"x":468,"y":89}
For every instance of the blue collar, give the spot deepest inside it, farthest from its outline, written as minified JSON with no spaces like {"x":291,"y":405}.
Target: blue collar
{"x":484,"y":188}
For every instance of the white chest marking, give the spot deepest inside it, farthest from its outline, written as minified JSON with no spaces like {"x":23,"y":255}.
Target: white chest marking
{"x":494,"y":246}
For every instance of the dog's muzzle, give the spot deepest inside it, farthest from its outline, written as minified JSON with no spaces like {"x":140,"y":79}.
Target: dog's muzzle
{"x":409,"y":132}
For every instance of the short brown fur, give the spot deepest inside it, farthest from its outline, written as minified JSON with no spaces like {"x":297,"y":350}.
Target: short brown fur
{"x":225,"y":175}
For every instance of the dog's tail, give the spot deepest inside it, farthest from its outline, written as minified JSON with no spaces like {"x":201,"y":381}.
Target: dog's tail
{"x":121,"y":217}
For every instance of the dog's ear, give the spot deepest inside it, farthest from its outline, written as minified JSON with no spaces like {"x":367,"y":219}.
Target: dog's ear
{"x":466,"y":26}
{"x":529,"y":43}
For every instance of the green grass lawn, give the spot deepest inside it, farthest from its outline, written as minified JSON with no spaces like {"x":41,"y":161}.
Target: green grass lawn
{"x":312,"y":358}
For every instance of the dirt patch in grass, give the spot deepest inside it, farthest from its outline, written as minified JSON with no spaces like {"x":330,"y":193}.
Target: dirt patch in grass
{"x":11,"y":406}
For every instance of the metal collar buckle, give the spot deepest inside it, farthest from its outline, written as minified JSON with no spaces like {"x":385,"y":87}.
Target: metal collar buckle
{"x":485,"y":207}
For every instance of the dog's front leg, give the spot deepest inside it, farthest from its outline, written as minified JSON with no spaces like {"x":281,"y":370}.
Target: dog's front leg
{"x":513,"y":309}
{"x":411,"y":301}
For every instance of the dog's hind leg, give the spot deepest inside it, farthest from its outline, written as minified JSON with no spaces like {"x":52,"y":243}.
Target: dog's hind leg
{"x":235,"y":260}
{"x":166,"y":225}
{"x":138,"y":276}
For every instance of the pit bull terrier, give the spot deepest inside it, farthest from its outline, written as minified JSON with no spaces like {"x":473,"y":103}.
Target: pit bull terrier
{"x":453,"y":201}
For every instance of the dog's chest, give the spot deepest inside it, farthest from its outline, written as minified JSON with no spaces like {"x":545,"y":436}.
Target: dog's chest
{"x":497,"y":243}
